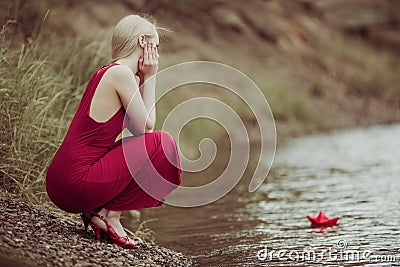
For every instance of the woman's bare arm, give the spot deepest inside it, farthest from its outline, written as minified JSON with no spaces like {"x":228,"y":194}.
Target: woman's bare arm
{"x":147,"y":90}
{"x":124,"y":82}
{"x":148,"y":67}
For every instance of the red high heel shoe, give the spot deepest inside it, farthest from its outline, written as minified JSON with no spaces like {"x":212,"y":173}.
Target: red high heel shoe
{"x":86,"y":220}
{"x":124,"y":242}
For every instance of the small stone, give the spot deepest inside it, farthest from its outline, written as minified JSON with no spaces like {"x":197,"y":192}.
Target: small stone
{"x":82,"y":264}
{"x":6,"y":239}
{"x":70,"y":222}
{"x":51,"y":240}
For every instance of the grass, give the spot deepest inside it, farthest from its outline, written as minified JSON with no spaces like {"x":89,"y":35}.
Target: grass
{"x":39,"y":91}
{"x":143,"y":232}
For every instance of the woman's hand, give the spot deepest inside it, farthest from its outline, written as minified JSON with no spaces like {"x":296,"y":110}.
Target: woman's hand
{"x":148,"y":62}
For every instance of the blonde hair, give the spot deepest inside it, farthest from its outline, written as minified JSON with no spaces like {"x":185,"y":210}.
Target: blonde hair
{"x":126,"y":35}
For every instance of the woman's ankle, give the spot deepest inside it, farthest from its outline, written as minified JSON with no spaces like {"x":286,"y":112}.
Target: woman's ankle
{"x":103,"y":212}
{"x":114,"y":215}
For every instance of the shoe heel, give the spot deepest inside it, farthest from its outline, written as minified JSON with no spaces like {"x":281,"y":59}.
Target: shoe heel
{"x":85,"y":220}
{"x":97,"y":231}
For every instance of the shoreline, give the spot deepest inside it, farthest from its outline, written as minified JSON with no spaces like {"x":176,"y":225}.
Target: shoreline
{"x":31,"y":236}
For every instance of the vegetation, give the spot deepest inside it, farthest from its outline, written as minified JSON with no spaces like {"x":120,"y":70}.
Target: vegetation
{"x":42,"y":78}
{"x":40,"y":87}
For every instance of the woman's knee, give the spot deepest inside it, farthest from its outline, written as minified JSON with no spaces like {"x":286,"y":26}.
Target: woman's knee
{"x":160,"y":139}
{"x":163,"y":138}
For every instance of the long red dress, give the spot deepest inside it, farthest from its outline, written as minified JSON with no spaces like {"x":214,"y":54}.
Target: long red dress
{"x":90,"y":170}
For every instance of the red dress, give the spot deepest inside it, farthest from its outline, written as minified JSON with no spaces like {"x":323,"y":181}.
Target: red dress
{"x":90,"y":170}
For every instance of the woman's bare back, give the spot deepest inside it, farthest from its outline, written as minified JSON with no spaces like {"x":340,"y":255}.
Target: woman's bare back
{"x":105,"y":103}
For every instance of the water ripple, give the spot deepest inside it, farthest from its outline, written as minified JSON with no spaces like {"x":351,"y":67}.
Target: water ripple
{"x":353,"y":174}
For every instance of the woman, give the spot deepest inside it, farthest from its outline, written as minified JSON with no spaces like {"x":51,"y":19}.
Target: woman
{"x":90,"y":173}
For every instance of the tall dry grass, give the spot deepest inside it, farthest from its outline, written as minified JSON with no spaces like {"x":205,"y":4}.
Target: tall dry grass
{"x":40,"y":87}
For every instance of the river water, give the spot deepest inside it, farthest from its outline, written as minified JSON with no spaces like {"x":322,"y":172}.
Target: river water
{"x":353,"y":174}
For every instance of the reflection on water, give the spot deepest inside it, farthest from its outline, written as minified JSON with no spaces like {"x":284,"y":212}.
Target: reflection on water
{"x":353,"y":174}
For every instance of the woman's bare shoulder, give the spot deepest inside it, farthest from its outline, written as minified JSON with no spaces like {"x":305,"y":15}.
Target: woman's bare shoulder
{"x":119,"y":72}
{"x":121,"y":78}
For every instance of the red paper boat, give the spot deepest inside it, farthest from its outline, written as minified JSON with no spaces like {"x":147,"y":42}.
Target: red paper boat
{"x":322,"y":220}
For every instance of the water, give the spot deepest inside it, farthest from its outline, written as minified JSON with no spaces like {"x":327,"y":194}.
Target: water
{"x":353,"y":174}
